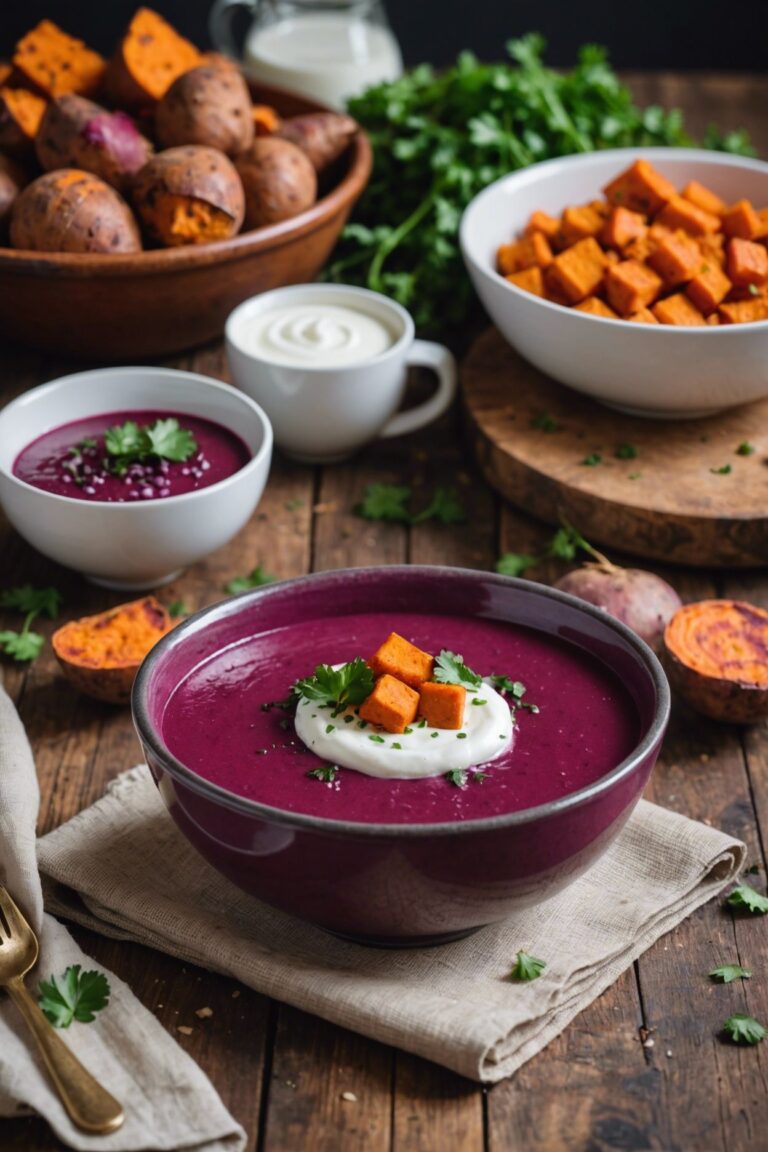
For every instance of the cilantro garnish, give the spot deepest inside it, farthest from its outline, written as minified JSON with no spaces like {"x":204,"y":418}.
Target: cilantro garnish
{"x":730,"y":972}
{"x":723,"y":470}
{"x":527,"y":967}
{"x":745,"y":448}
{"x":178,"y":608}
{"x":78,"y":996}
{"x":133,"y":443}
{"x":745,"y":896}
{"x":27,"y":645}
{"x":515,"y":563}
{"x":376,"y":738}
{"x":625,"y":452}
{"x":256,"y":578}
{"x":503,"y":684}
{"x":451,"y":669}
{"x":391,"y":502}
{"x":545,"y":423}
{"x":337,"y":687}
{"x":744,"y":1029}
{"x":592,"y":460}
{"x":458,"y":777}
{"x":564,"y":545}
{"x":326,"y":772}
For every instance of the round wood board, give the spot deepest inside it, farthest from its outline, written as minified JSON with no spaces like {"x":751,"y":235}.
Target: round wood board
{"x":669,"y":503}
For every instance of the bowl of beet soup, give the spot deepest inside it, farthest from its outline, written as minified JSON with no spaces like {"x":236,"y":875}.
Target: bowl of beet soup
{"x":394,"y":861}
{"x":129,"y":475}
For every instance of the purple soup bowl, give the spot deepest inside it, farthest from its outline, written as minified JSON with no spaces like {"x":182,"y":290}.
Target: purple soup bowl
{"x":401,"y":884}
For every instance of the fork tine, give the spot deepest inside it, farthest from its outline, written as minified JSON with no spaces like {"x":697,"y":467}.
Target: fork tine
{"x":15,"y":923}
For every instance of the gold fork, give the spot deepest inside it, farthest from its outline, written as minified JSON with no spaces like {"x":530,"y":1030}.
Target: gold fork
{"x":89,"y":1106}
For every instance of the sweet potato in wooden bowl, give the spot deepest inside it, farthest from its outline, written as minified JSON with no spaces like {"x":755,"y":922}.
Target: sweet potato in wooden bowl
{"x":132,"y":301}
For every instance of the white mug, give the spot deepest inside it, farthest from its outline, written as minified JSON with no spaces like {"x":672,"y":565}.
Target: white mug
{"x":323,"y":414}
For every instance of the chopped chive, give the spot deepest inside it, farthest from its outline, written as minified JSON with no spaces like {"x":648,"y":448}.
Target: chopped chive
{"x":422,"y":724}
{"x":434,"y":735}
{"x":376,"y":739}
{"x":592,"y":460}
{"x":723,"y":470}
{"x":407,"y":731}
{"x":330,"y":728}
{"x":461,"y":735}
{"x":362,"y":723}
{"x":476,"y":702}
{"x":745,"y":448}
{"x":399,"y":747}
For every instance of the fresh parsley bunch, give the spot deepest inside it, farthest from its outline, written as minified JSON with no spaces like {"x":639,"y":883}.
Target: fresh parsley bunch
{"x":439,"y":139}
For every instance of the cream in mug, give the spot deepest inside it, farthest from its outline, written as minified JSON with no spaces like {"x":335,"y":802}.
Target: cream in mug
{"x":317,"y":334}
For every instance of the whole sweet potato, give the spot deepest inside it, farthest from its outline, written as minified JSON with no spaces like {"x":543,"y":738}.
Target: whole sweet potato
{"x":278,"y":179}
{"x":189,"y":195}
{"x":322,"y":136}
{"x":73,"y":211}
{"x":207,"y":105}
{"x":100,"y":655}
{"x":640,"y":599}
{"x":12,"y":180}
{"x":76,"y":133}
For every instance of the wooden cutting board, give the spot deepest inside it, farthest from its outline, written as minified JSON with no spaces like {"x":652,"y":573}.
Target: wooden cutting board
{"x":666,"y":502}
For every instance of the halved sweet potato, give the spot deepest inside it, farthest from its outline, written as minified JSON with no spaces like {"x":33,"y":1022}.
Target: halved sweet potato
{"x":716,"y":656}
{"x":100,"y":655}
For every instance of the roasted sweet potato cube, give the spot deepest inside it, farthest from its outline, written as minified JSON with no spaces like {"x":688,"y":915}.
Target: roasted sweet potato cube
{"x":676,"y":259}
{"x":713,"y":319}
{"x":398,"y":657}
{"x":533,"y":250}
{"x":542,"y":222}
{"x":741,"y":220}
{"x":713,"y":248}
{"x":622,"y":227}
{"x":442,"y":705}
{"x":640,"y":188}
{"x":593,"y":306}
{"x":392,"y":705}
{"x":744,"y":311}
{"x":678,"y":311}
{"x":680,"y":213}
{"x":631,"y":286}
{"x":708,"y":287}
{"x":530,"y":280}
{"x":644,"y":316}
{"x":577,"y":272}
{"x":746,"y":262}
{"x":639,"y":249}
{"x":704,"y":198}
{"x":763,"y":218}
{"x":580,"y":222}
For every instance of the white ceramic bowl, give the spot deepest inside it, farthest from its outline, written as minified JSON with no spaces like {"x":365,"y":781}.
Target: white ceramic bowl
{"x":141,"y":545}
{"x":644,"y":369}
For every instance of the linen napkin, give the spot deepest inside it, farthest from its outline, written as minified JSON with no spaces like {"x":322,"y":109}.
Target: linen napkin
{"x":122,"y":868}
{"x":168,"y":1102}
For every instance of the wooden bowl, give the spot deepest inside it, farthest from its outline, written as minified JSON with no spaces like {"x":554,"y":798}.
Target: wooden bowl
{"x":163,"y":300}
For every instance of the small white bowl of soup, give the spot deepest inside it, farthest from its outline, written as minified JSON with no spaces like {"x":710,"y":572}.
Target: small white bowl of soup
{"x":129,"y":475}
{"x":648,"y":369}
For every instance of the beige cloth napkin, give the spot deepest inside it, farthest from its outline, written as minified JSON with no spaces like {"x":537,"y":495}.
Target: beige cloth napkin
{"x":168,"y":1102}
{"x":123,"y":868}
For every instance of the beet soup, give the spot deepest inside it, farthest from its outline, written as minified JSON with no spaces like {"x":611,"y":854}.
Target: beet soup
{"x":165,"y":454}
{"x":217,"y":721}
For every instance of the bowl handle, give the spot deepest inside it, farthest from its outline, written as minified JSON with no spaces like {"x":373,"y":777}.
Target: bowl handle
{"x":220,"y":24}
{"x":425,"y":354}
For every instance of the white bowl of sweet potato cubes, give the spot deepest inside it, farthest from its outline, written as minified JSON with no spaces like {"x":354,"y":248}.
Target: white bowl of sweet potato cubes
{"x":636,"y":276}
{"x":144,"y":197}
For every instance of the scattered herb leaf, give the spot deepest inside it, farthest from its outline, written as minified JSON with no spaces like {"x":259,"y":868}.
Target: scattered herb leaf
{"x":729,"y":972}
{"x":745,"y":448}
{"x":256,"y":578}
{"x":385,"y":502}
{"x":21,"y":646}
{"x":545,"y":423}
{"x":76,"y":995}
{"x":458,"y":777}
{"x":178,"y":608}
{"x":515,"y":563}
{"x":326,"y":772}
{"x":744,"y":1029}
{"x":527,"y":967}
{"x":451,"y":669}
{"x":723,"y":470}
{"x":745,"y":896}
{"x":376,"y":738}
{"x":445,"y":507}
{"x":592,"y":460}
{"x":626,"y":452}
{"x":27,"y":599}
{"x":503,"y":685}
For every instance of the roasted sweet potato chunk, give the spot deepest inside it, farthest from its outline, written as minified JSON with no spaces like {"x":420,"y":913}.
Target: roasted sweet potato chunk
{"x":577,"y":272}
{"x":530,"y":280}
{"x":392,"y":705}
{"x":531,"y":251}
{"x":677,"y":259}
{"x":622,"y":227}
{"x":708,"y":288}
{"x":594,"y":306}
{"x":398,"y":657}
{"x":746,"y":262}
{"x":704,"y":198}
{"x":631,"y":286}
{"x":741,"y":220}
{"x":678,"y":311}
{"x":640,"y":188}
{"x":680,"y":213}
{"x":442,"y":705}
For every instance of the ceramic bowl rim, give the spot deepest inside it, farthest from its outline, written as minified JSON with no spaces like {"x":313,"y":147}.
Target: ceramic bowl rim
{"x":254,"y":464}
{"x":356,"y":830}
{"x":526,"y":177}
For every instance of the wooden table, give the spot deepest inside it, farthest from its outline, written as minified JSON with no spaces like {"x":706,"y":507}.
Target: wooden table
{"x":643,"y":1067}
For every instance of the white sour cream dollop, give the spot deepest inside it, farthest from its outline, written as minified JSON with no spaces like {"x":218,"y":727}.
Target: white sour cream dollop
{"x":423,"y":751}
{"x":323,"y":335}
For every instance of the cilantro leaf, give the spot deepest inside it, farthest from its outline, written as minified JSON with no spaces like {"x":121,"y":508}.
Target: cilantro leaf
{"x":124,"y":439}
{"x":130,"y":443}
{"x":326,"y":772}
{"x":592,"y":460}
{"x":178,"y":608}
{"x":76,"y":995}
{"x":625,"y":452}
{"x":459,"y":777}
{"x":527,"y":967}
{"x":256,"y":578}
{"x":745,"y":448}
{"x":446,"y":508}
{"x":515,"y":563}
{"x":24,"y":645}
{"x":744,"y":1029}
{"x":451,"y":669}
{"x":730,"y":972}
{"x":745,"y":896}
{"x":27,"y":599}
{"x":169,"y":441}
{"x":339,"y":687}
{"x":503,"y":684}
{"x":723,"y":470}
{"x":385,"y":502}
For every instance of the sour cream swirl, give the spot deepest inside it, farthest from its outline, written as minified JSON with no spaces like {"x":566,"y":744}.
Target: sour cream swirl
{"x":323,"y":335}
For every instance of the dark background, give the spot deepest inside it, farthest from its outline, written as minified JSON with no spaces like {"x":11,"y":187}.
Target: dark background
{"x":656,"y":34}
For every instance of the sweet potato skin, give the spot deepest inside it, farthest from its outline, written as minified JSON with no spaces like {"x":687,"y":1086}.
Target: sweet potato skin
{"x":100,"y":655}
{"x":12,"y":180}
{"x":640,"y":599}
{"x":322,"y":136}
{"x":208,"y":105}
{"x":70,"y":210}
{"x":198,"y":176}
{"x":77,"y":133}
{"x":696,"y":650}
{"x":278,"y":179}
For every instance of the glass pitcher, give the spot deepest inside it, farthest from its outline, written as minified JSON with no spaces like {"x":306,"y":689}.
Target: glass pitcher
{"x":327,"y":50}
